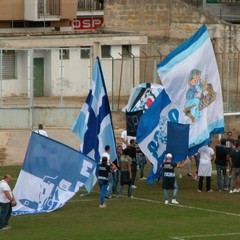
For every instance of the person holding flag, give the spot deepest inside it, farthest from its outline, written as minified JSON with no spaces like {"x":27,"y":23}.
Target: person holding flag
{"x":169,"y":179}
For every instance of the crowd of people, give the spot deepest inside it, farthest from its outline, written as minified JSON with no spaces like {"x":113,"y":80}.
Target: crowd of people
{"x":130,"y":158}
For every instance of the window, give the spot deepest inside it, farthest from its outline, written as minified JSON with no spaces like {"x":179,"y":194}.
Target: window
{"x":126,"y":50}
{"x":85,"y":53}
{"x":64,"y":54}
{"x":8,"y":58}
{"x":106,"y":51}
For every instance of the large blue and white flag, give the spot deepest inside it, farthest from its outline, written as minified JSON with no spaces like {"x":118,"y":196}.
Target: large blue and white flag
{"x":94,"y":123}
{"x":51,"y":175}
{"x":192,"y":95}
{"x":152,"y":134}
{"x":191,"y":79}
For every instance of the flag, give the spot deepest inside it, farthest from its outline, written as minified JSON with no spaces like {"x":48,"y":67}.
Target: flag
{"x":94,"y":123}
{"x":152,"y":133}
{"x":177,"y":140}
{"x":142,"y":97}
{"x":190,"y":77}
{"x":51,"y":175}
{"x":192,"y":95}
{"x":132,"y":119}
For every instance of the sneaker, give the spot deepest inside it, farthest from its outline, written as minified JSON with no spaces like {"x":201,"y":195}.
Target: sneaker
{"x":180,"y":175}
{"x":133,"y":186}
{"x":108,"y":196}
{"x":225,"y":189}
{"x":235,"y":190}
{"x":210,"y":190}
{"x":143,"y":178}
{"x":7,"y":227}
{"x":190,"y":175}
{"x":231,"y":191}
{"x":166,"y":201}
{"x":103,"y":205}
{"x":174,"y":201}
{"x":199,"y":190}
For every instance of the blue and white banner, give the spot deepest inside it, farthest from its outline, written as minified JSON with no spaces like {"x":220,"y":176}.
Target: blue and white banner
{"x":191,"y":79}
{"x":51,"y":175}
{"x":94,"y":123}
{"x":192,"y":95}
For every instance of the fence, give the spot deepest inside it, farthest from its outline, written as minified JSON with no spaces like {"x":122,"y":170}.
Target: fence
{"x":60,"y":97}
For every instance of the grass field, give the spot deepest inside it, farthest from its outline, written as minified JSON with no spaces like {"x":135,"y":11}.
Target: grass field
{"x":203,"y":215}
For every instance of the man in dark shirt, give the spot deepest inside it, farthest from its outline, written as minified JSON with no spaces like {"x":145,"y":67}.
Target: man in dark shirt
{"x":221,"y":165}
{"x":234,"y":161}
{"x":132,"y":149}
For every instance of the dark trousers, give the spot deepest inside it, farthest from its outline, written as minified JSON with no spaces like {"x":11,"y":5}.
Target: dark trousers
{"x":134,"y":171}
{"x":208,"y":183}
{"x":5,"y":214}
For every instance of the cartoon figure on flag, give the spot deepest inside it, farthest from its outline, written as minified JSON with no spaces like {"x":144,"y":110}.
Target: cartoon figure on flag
{"x":199,"y":95}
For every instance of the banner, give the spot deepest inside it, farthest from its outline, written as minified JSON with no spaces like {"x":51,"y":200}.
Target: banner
{"x":51,"y":175}
{"x":192,"y":95}
{"x":94,"y":123}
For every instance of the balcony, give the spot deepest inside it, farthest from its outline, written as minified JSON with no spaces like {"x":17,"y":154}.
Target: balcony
{"x":90,"y":5}
{"x":42,"y":10}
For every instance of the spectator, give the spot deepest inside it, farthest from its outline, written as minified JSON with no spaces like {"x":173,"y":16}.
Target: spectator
{"x":234,"y":160}
{"x":113,"y":167}
{"x":126,"y":172}
{"x":206,"y":156}
{"x":6,"y":202}
{"x":132,"y":150}
{"x":116,"y":173}
{"x":169,"y":179}
{"x":221,"y":165}
{"x":41,"y":131}
{"x":103,"y":172}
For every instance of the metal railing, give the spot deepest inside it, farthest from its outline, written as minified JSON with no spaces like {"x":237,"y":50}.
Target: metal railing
{"x":90,"y":5}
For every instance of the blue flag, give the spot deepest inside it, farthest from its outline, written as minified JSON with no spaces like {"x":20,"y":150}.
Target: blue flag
{"x":192,"y":95}
{"x":51,"y":175}
{"x":94,"y":123}
{"x":177,"y":140}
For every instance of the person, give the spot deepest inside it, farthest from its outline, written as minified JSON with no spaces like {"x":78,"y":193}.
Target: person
{"x":132,"y":150}
{"x":221,"y":162}
{"x":234,"y":162}
{"x":103,"y":172}
{"x":116,"y":172}
{"x":113,"y":167}
{"x":7,"y":201}
{"x":169,"y":179}
{"x":126,"y":172}
{"x":142,"y":161}
{"x":124,"y":138}
{"x":188,"y":166}
{"x":41,"y":131}
{"x":206,"y":156}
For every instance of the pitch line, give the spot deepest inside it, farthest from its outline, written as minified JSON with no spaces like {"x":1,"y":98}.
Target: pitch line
{"x":190,"y":207}
{"x":204,"y":236}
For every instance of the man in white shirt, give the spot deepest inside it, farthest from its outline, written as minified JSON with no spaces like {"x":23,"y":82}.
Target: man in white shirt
{"x":6,"y":202}
{"x":41,"y":131}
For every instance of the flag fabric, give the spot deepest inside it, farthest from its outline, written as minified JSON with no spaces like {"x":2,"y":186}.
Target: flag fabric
{"x":132,"y":119}
{"x":152,"y":132}
{"x":190,"y":77}
{"x":94,"y":123}
{"x":142,"y":97}
{"x":177,"y":139}
{"x":192,"y":95}
{"x":51,"y":175}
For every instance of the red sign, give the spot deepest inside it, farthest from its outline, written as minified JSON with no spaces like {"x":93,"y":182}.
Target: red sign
{"x":86,"y":23}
